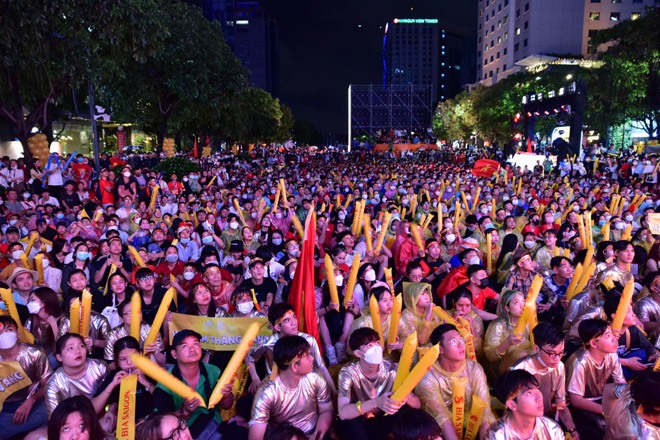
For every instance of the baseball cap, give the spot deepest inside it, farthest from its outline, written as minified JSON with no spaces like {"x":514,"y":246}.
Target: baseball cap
{"x":183,"y":334}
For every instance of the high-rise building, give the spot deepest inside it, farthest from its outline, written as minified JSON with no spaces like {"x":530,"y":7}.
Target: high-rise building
{"x":515,"y":34}
{"x":424,"y":53}
{"x":252,"y":36}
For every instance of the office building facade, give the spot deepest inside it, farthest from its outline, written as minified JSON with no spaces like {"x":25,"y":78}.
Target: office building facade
{"x":515,"y":34}
{"x":423,"y":53}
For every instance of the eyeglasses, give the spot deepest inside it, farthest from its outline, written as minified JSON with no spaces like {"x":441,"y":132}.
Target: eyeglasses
{"x":180,"y":428}
{"x":457,"y":341}
{"x":553,"y":353}
{"x":146,"y":277}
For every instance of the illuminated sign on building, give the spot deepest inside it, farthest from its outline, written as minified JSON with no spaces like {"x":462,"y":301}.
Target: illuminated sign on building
{"x":415,"y":21}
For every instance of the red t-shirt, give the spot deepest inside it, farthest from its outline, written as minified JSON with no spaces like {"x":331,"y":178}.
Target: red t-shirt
{"x":480,"y":300}
{"x":107,"y":197}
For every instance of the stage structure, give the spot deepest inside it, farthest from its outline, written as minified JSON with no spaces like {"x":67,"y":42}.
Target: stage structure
{"x":373,"y":108}
{"x":566,"y":104}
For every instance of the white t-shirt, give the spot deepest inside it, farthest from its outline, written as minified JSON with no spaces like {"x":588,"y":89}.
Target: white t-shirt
{"x":54,"y":177}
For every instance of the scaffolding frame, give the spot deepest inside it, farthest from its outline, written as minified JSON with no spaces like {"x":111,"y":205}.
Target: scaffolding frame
{"x":393,"y":107}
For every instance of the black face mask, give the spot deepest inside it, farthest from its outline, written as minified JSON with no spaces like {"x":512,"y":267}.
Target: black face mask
{"x":484,"y":282}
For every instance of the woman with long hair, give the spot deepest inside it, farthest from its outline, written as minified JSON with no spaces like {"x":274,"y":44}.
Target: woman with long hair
{"x":60,"y":249}
{"x":44,"y":320}
{"x":505,"y":260}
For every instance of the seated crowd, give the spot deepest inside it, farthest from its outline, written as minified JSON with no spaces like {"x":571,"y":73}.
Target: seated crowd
{"x":522,"y":305}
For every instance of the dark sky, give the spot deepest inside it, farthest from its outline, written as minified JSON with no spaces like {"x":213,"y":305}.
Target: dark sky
{"x":323,"y":49}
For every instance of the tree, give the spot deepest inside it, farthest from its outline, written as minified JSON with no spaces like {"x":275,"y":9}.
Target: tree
{"x":190,"y":84}
{"x":633,"y":60}
{"x":285,"y":129}
{"x":455,"y":118}
{"x":49,"y":47}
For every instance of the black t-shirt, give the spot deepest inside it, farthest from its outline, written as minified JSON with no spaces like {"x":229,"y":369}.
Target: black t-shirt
{"x":149,"y":311}
{"x":262,"y":290}
{"x":71,"y":200}
{"x":144,"y":401}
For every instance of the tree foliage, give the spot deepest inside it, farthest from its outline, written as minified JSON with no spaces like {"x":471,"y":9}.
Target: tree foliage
{"x":632,"y":58}
{"x":48,"y":47}
{"x":455,"y":118}
{"x":187,"y":85}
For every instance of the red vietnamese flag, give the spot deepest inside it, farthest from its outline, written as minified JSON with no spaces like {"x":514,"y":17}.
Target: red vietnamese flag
{"x":195,"y":146}
{"x":303,"y":294}
{"x":485,"y":167}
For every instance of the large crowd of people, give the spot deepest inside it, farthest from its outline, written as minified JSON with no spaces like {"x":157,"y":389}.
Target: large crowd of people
{"x":532,"y":296}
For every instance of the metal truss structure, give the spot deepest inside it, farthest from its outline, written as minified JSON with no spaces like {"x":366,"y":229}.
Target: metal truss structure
{"x":372,"y":108}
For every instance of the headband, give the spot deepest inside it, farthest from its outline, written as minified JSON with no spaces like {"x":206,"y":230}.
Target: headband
{"x":288,"y":314}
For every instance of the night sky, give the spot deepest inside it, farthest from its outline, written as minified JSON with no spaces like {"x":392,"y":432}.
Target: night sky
{"x":323,"y":49}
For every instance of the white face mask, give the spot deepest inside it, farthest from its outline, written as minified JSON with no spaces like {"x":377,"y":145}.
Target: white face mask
{"x":33,"y":307}
{"x":16,"y":255}
{"x":474,"y":260}
{"x":450,"y":238}
{"x":619,"y":226}
{"x":342,"y":216}
{"x":233,"y":225}
{"x":339,"y":280}
{"x":8,"y":340}
{"x":45,"y":263}
{"x":188,"y":275}
{"x":245,"y":307}
{"x":529,"y":244}
{"x":374,"y":356}
{"x":127,"y":174}
{"x":370,"y":275}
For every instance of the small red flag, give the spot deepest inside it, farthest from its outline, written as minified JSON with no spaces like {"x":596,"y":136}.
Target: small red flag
{"x":195,"y":146}
{"x":485,"y":167}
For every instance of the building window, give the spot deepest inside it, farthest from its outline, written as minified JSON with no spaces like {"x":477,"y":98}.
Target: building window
{"x":526,"y":7}
{"x":635,"y":16}
{"x":499,"y":7}
{"x":492,"y":58}
{"x":499,"y":40}
{"x":506,"y":50}
{"x":516,"y":48}
{"x":517,"y":31}
{"x":595,"y":1}
{"x":506,"y":19}
{"x":616,"y":1}
{"x":487,"y":32}
{"x":637,"y":1}
{"x":594,"y":16}
{"x":526,"y":25}
{"x":490,"y":74}
{"x":525,"y":42}
{"x":486,"y":62}
{"x":492,"y":28}
{"x":506,"y":35}
{"x":499,"y":24}
{"x":498,"y":55}
{"x":486,"y":48}
{"x":615,"y":16}
{"x":518,"y":13}
{"x":506,"y":3}
{"x":492,"y":43}
{"x":497,"y":71}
